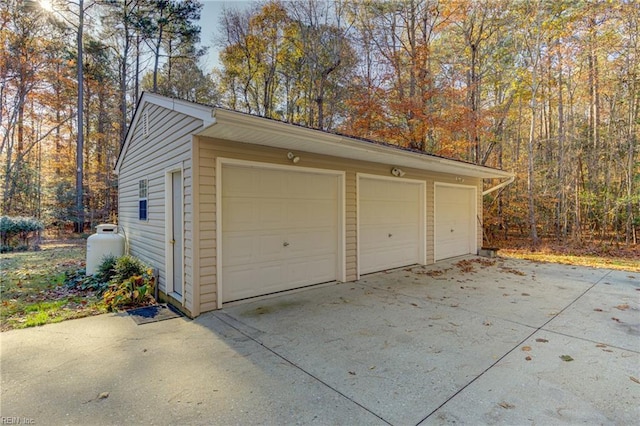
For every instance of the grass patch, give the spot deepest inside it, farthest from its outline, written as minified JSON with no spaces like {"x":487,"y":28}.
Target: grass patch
{"x":608,"y":262}
{"x":34,"y":288}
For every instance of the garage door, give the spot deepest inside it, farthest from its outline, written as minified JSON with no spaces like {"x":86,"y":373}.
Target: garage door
{"x":279,"y":230}
{"x":455,"y":216}
{"x":391,"y":224}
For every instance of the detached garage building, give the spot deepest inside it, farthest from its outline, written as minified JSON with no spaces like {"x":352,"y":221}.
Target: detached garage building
{"x":229,"y":206}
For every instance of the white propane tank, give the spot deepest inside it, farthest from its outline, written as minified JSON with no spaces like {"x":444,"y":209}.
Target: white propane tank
{"x":105,"y":242}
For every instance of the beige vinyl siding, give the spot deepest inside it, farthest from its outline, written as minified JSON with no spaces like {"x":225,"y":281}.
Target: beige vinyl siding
{"x":167,"y":147}
{"x":207,"y":238}
{"x":210,"y":149}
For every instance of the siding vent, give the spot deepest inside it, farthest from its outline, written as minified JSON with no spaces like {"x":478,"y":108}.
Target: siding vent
{"x":145,"y":124}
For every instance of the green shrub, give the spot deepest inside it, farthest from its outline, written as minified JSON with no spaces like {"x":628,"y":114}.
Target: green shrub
{"x":107,"y":268}
{"x":135,"y":290}
{"x":127,"y":266}
{"x":131,"y":282}
{"x":15,"y":232}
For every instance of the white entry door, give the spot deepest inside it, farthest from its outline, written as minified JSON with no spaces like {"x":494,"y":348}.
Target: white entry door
{"x":279,"y":230}
{"x":176,"y":235}
{"x":391,"y":223}
{"x":455,"y":219}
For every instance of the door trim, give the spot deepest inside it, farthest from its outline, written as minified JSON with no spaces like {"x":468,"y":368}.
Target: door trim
{"x":168,"y":231}
{"x":341,"y":268}
{"x":423,"y":213}
{"x":472,"y":220}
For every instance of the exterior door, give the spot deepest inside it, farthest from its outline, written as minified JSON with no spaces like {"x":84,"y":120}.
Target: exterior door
{"x":391,"y":223}
{"x":455,"y":218}
{"x":279,"y":230}
{"x":177,"y":232}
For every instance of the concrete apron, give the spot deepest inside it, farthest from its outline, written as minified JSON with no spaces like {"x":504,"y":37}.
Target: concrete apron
{"x":464,"y":342}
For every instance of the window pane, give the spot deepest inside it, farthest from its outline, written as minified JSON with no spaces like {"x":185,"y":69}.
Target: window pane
{"x":142,"y":209}
{"x":142,"y":193}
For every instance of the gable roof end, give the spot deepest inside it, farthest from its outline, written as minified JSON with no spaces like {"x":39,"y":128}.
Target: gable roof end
{"x":198,"y":111}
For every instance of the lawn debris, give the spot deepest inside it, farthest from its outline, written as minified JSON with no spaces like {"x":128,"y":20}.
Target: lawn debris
{"x":506,"y":405}
{"x":622,"y":307}
{"x":566,"y":358}
{"x":598,"y":310}
{"x":526,"y":348}
{"x":465,"y":265}
{"x":528,"y":358}
{"x":542,"y":340}
{"x":616,"y":319}
{"x":509,"y":270}
{"x":634,"y":379}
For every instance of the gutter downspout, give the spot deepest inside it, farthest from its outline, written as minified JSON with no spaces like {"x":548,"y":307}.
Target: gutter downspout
{"x":499,"y":186}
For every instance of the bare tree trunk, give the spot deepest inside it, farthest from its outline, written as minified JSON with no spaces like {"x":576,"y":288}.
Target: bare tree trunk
{"x":80,"y":129}
{"x":561,"y":214}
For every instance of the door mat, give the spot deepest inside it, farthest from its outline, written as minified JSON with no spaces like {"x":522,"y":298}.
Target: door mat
{"x":155,"y":313}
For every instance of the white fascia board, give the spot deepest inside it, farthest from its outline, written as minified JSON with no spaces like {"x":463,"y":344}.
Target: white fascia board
{"x":240,"y":127}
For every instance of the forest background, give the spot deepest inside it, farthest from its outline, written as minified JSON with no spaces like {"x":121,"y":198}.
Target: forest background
{"x":548,"y":89}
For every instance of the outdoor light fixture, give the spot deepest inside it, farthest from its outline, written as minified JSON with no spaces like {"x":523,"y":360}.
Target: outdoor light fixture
{"x":397,"y":172}
{"x":294,"y":158}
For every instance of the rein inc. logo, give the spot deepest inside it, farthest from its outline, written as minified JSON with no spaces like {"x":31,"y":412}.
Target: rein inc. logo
{"x":17,"y":421}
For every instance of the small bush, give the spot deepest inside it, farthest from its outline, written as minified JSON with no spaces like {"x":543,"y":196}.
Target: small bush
{"x":126,"y":267}
{"x":15,"y":232}
{"x":131,"y":283}
{"x":107,"y":268}
{"x":135,"y":290}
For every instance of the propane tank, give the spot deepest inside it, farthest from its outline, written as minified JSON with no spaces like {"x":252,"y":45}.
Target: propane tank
{"x":105,"y":242}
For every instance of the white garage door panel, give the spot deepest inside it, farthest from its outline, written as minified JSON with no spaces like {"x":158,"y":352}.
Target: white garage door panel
{"x":279,"y":230}
{"x":454,"y":221}
{"x":390,"y":215}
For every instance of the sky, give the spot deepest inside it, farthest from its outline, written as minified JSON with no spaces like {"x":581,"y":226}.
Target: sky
{"x":209,"y":17}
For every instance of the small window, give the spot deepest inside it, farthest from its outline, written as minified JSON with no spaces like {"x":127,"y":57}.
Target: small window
{"x":142,"y":200}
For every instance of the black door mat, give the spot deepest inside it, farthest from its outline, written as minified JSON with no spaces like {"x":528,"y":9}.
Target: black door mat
{"x":155,"y":313}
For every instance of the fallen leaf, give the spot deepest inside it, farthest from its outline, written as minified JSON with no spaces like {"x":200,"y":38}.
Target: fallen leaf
{"x":506,"y":405}
{"x":526,"y":294}
{"x":616,"y":319}
{"x":598,"y":310}
{"x":542,"y":340}
{"x":487,"y":323}
{"x":526,"y":348}
{"x":633,"y":379}
{"x":623,"y":307}
{"x":353,"y":373}
{"x":528,"y":358}
{"x":103,"y":395}
{"x":566,"y":358}
{"x":601,"y":345}
{"x":413,"y":304}
{"x":373,"y":367}
{"x":607,"y":350}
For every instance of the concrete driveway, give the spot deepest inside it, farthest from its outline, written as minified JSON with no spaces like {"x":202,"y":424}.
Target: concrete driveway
{"x":466,"y":341}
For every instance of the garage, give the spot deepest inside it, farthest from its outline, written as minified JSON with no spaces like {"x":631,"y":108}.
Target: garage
{"x":280,"y":229}
{"x":455,"y":220}
{"x":391,"y":218}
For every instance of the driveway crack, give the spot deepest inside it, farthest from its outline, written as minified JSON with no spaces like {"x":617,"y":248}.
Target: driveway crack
{"x":518,"y":345}
{"x":239,"y":326}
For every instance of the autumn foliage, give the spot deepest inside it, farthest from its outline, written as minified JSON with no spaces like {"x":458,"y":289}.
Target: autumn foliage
{"x":547,"y":89}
